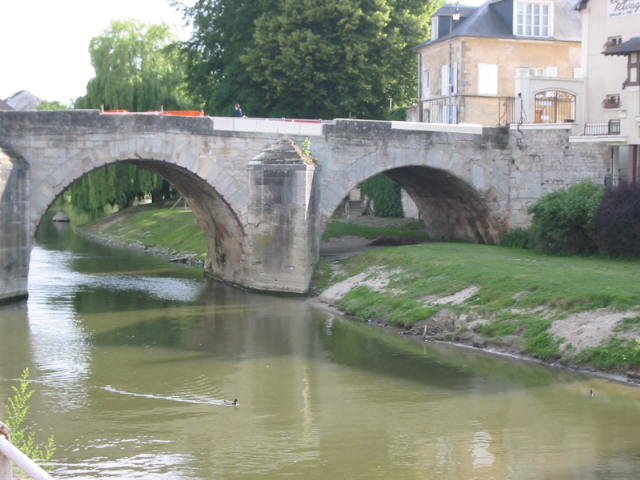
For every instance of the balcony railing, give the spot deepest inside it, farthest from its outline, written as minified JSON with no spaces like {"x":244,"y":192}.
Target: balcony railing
{"x":612,"y":127}
{"x":486,"y":110}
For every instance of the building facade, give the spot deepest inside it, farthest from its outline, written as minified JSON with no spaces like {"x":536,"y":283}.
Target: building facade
{"x":473,"y":67}
{"x":611,"y":57}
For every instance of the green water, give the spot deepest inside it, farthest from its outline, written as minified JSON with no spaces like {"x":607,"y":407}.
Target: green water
{"x":133,"y":357}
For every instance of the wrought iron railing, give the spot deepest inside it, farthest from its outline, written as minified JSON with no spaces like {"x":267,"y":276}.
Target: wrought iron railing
{"x":612,"y":127}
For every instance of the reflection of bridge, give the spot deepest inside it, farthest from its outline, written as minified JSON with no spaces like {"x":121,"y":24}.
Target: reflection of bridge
{"x":260,"y":200}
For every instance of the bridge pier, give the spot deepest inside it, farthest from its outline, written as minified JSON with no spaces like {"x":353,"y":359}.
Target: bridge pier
{"x":15,"y":238}
{"x":281,"y":228}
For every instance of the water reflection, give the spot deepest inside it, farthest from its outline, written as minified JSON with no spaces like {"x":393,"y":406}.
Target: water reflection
{"x":132,"y":370}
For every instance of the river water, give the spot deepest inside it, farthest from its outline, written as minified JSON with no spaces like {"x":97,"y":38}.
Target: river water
{"x":132,"y":358}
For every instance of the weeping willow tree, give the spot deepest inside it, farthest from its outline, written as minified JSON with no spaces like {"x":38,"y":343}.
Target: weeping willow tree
{"x":118,"y":185}
{"x":137,"y":68}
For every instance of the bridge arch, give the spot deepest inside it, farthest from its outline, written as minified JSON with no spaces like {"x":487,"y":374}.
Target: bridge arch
{"x":451,"y":208}
{"x":223,"y":231}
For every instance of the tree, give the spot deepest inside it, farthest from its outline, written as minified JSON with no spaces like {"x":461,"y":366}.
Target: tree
{"x":52,"y":105}
{"x":303,"y":58}
{"x":222,"y":32}
{"x":335,"y":58}
{"x":138,"y":68}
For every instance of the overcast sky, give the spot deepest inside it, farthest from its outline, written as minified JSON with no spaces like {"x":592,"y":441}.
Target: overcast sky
{"x":44,"y":44}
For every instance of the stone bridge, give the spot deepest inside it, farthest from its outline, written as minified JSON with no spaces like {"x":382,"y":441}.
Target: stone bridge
{"x":261,"y":200}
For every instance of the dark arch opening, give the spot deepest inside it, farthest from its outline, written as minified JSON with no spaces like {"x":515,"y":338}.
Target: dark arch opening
{"x":223,"y":232}
{"x":450,"y":208}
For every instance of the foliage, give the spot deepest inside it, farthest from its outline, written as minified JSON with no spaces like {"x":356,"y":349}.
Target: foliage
{"x":117,"y":185}
{"x":336,"y":229}
{"x":525,"y":279}
{"x":397,"y":114}
{"x":518,"y":238}
{"x":615,"y":353}
{"x":618,"y":221}
{"x":52,"y":105}
{"x":16,"y":411}
{"x":385,"y":194}
{"x":303,"y":58}
{"x":223,"y":31}
{"x":137,"y":68}
{"x":563,"y":220}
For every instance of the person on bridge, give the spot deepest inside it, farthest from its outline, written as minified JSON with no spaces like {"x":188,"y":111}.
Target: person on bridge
{"x":238,"y":111}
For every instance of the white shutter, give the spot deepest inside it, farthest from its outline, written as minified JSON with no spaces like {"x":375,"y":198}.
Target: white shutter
{"x":454,"y":79}
{"x":444,"y":80}
{"x":426,"y":84}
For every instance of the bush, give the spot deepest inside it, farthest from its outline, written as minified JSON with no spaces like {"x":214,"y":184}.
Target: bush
{"x":23,"y":437}
{"x":518,"y":238}
{"x":618,"y":221}
{"x":563,"y":220}
{"x":385,"y":194}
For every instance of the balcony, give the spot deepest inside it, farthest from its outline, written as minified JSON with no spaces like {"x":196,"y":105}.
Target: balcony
{"x":612,"y":127}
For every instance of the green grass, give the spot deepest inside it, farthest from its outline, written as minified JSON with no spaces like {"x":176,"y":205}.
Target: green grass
{"x":506,"y":277}
{"x":340,"y":229}
{"x":170,"y":229}
{"x":617,"y":352}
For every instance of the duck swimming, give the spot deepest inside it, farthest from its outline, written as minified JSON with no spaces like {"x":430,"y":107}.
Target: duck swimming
{"x":230,"y":403}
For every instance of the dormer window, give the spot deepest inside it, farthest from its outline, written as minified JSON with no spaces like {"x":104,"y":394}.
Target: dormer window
{"x":534,"y":19}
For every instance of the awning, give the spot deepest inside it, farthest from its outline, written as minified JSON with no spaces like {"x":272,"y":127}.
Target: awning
{"x":630,"y":46}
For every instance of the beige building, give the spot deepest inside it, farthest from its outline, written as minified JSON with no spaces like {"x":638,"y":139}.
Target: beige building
{"x":611,"y":57}
{"x":479,"y":59}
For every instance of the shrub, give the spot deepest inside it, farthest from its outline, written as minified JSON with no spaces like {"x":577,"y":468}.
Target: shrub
{"x":518,"y":238}
{"x":618,"y":221}
{"x":385,"y":194}
{"x":563,"y":220}
{"x":16,"y":410}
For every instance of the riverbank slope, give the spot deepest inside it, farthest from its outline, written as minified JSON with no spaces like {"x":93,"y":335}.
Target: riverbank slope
{"x":580,"y":312}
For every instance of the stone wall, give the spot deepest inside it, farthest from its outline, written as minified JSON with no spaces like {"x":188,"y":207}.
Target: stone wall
{"x":543,"y":160}
{"x":15,"y":241}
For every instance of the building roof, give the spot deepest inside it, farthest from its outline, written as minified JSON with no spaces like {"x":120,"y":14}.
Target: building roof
{"x":23,"y":100}
{"x":5,"y":106}
{"x":494,"y":19}
{"x":625,"y":48}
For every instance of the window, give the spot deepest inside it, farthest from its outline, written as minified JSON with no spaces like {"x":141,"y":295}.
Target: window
{"x":487,"y":79}
{"x":613,"y":42}
{"x":426,"y":84}
{"x":449,"y":80}
{"x":554,"y":106}
{"x":551,"y":71}
{"x":534,"y":19}
{"x":434,"y":28}
{"x":633,"y":70}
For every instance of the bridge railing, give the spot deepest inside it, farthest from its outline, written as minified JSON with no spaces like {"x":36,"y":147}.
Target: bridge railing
{"x":9,"y":454}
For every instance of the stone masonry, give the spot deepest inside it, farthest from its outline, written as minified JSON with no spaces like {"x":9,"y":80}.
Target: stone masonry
{"x":263,"y":202}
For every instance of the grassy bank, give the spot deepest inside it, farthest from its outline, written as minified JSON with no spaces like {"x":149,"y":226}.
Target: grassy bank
{"x":510,"y":299}
{"x":171,"y":230}
{"x":574,"y":310}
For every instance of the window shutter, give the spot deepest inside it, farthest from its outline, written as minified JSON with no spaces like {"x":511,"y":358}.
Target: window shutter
{"x":444,"y":80}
